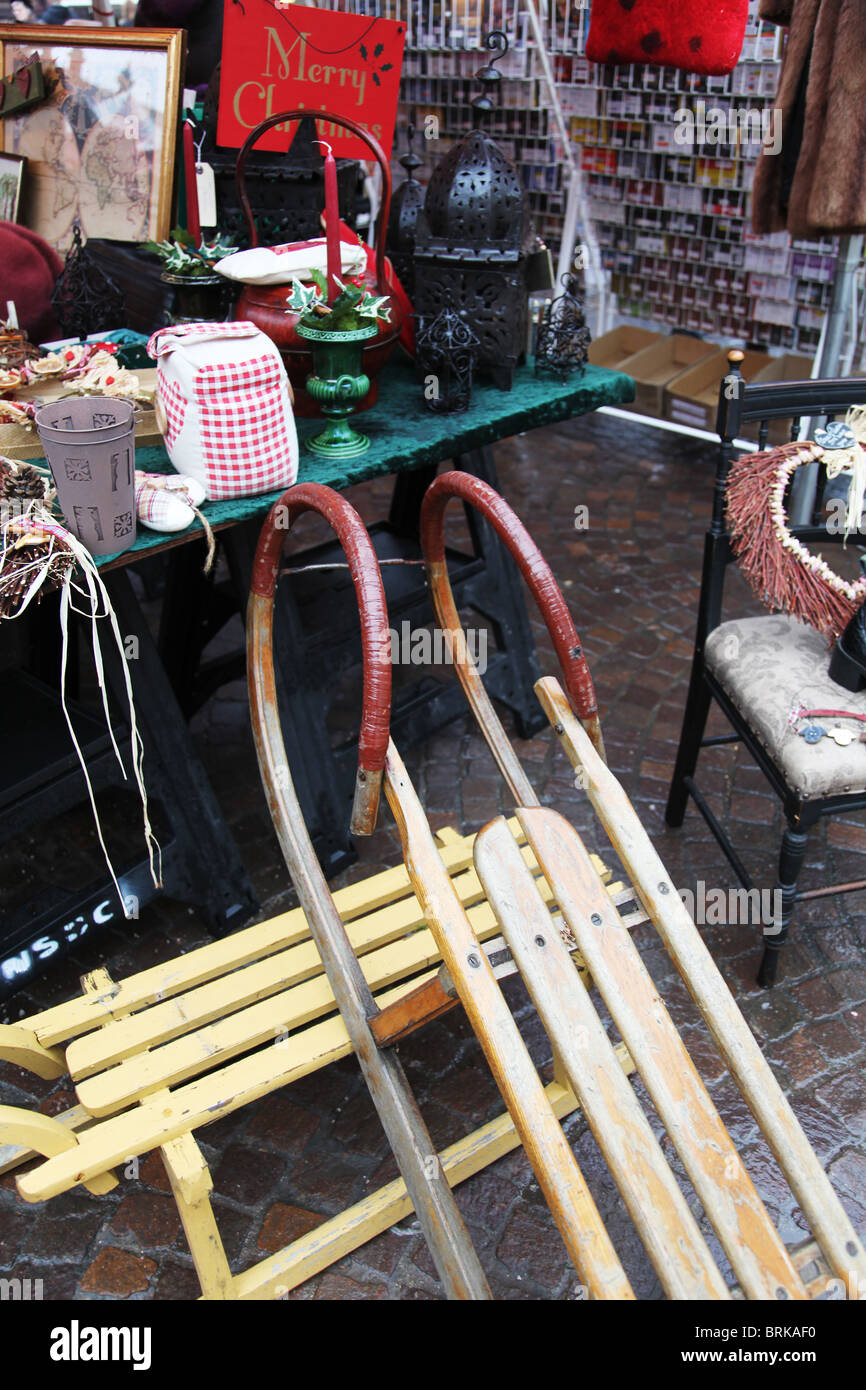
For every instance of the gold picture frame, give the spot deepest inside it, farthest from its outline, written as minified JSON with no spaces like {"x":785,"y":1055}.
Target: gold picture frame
{"x":101,"y":147}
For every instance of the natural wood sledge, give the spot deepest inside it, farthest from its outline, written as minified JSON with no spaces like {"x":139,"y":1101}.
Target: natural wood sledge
{"x":109,"y":1042}
{"x":166,"y":1052}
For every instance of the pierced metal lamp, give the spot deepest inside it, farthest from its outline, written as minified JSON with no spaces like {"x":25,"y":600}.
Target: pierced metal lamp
{"x":471,"y":240}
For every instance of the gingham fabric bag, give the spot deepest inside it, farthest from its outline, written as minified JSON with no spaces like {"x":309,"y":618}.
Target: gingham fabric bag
{"x":225,"y":408}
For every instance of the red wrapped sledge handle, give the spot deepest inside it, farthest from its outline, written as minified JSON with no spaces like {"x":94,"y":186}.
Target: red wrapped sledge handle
{"x":375,"y":641}
{"x":533,"y":567}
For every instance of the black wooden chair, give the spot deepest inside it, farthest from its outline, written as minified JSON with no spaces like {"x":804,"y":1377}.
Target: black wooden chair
{"x":757,"y":668}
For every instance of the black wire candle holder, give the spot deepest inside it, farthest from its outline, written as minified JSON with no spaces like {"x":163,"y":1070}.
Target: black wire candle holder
{"x":446,"y":352}
{"x":562,"y":346}
{"x":85,"y":299}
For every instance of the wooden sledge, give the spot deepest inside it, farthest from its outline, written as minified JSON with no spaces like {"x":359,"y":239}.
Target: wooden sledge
{"x":161,"y":1054}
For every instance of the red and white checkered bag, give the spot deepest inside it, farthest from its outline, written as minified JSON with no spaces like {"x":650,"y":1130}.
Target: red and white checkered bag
{"x":225,"y":398}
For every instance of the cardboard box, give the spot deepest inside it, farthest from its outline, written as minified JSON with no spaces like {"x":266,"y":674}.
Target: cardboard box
{"x":613,"y":348}
{"x":790,"y":366}
{"x":692,"y":398}
{"x":655,"y":366}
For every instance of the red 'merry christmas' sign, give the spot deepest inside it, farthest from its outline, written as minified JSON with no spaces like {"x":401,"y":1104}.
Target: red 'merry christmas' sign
{"x":283,"y":57}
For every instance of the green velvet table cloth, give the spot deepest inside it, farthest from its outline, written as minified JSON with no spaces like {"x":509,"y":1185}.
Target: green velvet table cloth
{"x":404,"y":434}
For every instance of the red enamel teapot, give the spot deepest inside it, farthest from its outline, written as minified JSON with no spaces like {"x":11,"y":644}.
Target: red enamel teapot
{"x":265,"y":305}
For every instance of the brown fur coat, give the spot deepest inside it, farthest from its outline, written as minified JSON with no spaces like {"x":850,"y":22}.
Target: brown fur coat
{"x":817,"y":182}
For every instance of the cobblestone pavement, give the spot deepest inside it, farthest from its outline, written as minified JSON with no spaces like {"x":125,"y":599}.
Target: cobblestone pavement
{"x":284,"y":1165}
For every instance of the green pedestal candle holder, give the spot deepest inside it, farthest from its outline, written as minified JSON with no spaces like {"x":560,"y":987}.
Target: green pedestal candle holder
{"x":337,"y":386}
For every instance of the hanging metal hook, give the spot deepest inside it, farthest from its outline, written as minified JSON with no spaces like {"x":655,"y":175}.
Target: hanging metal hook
{"x":497,"y":39}
{"x":489,"y":76}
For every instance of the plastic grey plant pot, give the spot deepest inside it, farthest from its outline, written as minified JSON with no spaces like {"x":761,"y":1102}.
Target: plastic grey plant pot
{"x":89,"y":443}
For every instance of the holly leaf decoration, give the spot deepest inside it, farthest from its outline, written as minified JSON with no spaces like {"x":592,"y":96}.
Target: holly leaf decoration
{"x":376,"y":79}
{"x":378,"y":49}
{"x":211,"y":251}
{"x":385,"y":67}
{"x":303,"y":298}
{"x":177,"y":258}
{"x":363,"y":52}
{"x":320,"y":282}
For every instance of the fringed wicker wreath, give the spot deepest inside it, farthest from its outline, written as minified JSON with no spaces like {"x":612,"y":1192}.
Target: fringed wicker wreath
{"x":781,"y":571}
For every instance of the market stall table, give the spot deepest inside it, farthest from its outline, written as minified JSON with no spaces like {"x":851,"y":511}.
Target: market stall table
{"x":202,"y":864}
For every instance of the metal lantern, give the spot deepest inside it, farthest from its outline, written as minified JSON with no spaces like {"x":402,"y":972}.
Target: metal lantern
{"x":84,"y":298}
{"x":403,"y":219}
{"x":562,"y":345}
{"x":286,"y":191}
{"x":471,"y":239}
{"x":445,"y":354}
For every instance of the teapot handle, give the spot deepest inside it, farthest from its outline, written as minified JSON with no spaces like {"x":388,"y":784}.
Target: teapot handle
{"x":354,"y":129}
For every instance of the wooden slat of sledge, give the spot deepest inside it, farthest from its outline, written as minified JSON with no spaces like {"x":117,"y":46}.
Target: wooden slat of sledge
{"x":146,"y":1071}
{"x":59,"y":1024}
{"x":553,"y":1162}
{"x":728,"y":1195}
{"x":830,"y":1223}
{"x":259,"y":980}
{"x":158,"y":1119}
{"x":654,"y":1200}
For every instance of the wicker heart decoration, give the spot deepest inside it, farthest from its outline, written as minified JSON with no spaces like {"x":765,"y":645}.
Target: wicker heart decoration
{"x":781,"y":571}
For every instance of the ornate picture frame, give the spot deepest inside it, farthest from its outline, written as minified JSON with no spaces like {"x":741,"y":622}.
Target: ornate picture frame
{"x":101,"y":147}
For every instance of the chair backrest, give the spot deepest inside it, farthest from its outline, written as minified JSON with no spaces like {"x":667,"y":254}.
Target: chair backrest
{"x":742,"y":405}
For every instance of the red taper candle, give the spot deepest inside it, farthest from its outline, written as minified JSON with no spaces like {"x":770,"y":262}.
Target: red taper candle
{"x":332,"y":224}
{"x":189,"y":162}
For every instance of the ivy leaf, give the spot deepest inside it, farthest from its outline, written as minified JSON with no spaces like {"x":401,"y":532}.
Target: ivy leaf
{"x":302,"y":297}
{"x":373,"y":308}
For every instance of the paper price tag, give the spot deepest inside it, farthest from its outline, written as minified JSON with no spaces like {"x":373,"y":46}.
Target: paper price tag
{"x":206,"y":189}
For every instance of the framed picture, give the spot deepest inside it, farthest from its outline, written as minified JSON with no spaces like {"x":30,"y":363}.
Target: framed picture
{"x":101,"y":147}
{"x":11,"y":173}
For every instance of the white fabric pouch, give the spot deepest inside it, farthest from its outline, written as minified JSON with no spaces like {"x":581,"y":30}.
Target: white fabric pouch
{"x":224,"y":406}
{"x":278,"y":265}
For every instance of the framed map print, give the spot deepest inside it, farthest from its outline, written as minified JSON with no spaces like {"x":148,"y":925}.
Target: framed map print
{"x":101,"y":146}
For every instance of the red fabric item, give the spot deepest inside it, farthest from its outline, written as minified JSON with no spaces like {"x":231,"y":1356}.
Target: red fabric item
{"x":30,"y":268}
{"x":704,"y":36}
